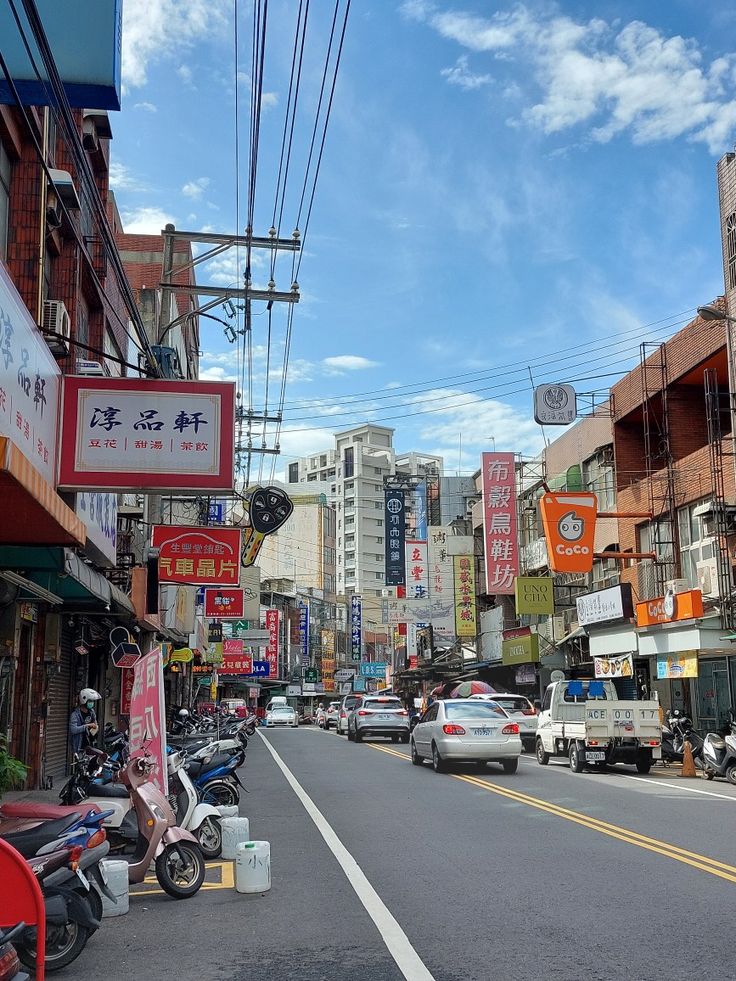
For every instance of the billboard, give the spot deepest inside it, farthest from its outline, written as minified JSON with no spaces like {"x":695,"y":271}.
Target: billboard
{"x":441,"y":586}
{"x":356,"y":627}
{"x":465,"y":616}
{"x":498,"y":487}
{"x":224,"y":603}
{"x":569,"y":527}
{"x":197,"y":556}
{"x":272,"y":648}
{"x":395,"y":527}
{"x":141,"y":434}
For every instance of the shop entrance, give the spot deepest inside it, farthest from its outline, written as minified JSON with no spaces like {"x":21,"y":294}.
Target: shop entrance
{"x":713,"y":694}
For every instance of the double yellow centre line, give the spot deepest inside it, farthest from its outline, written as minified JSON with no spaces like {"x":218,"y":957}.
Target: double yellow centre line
{"x":693,"y":859}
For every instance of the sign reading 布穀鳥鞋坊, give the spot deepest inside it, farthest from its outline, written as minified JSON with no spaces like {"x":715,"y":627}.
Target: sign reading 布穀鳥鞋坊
{"x":198,"y":556}
{"x":139,"y":434}
{"x":498,"y":487}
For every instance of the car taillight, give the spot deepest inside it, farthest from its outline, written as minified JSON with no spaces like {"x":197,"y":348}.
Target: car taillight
{"x":452,"y":730}
{"x":402,"y":712}
{"x":362,"y":712}
{"x":97,"y":838}
{"x":9,"y":963}
{"x":343,"y":715}
{"x":511,"y":729}
{"x":592,"y":742}
{"x":74,"y":856}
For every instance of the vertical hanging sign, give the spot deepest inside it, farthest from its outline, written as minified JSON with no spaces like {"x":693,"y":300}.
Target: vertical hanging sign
{"x":356,"y":627}
{"x":499,"y":522}
{"x":304,"y":634}
{"x":465,"y":616}
{"x":272,"y":649}
{"x":395,"y":524}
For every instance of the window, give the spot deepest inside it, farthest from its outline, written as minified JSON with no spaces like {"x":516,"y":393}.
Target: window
{"x":379,"y":522}
{"x":474,"y":710}
{"x":350,"y":539}
{"x":349,"y":502}
{"x":379,"y":539}
{"x":598,"y":478}
{"x":312,"y":477}
{"x":349,"y":484}
{"x":379,"y":575}
{"x":547,"y":703}
{"x":697,"y":543}
{"x":377,"y":470}
{"x":378,"y":504}
{"x":323,"y":460}
{"x":349,"y":461}
{"x":293,"y":473}
{"x":4,"y":200}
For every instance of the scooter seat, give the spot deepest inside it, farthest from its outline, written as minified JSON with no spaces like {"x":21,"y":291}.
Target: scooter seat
{"x":108,"y":790}
{"x":46,"y":812}
{"x":28,"y":842}
{"x":196,"y":768}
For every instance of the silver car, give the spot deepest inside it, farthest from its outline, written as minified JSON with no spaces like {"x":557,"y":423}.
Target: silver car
{"x":282,"y":715}
{"x":332,"y":713}
{"x":521,"y":710}
{"x":466,"y":729}
{"x":346,"y":707}
{"x":379,"y":715}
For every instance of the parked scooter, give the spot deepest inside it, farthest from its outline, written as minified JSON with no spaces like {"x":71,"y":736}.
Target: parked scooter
{"x":675,"y":734}
{"x":203,"y":820}
{"x":719,"y":752}
{"x":216,"y":779}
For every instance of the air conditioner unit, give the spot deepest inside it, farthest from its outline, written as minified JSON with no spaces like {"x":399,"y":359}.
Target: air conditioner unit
{"x":708,"y":578}
{"x":56,"y":320}
{"x":470,"y":504}
{"x":93,"y":368}
{"x":90,"y":140}
{"x":677,"y":586}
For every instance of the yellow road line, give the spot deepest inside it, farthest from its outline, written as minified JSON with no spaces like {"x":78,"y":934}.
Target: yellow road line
{"x":674,"y":852}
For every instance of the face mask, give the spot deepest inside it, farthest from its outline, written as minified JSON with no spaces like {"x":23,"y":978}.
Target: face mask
{"x":90,"y":705}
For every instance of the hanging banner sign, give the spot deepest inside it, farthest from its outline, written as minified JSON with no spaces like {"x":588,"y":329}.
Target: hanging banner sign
{"x":272,"y":649}
{"x":304,"y":634}
{"x":534,"y":595}
{"x":395,"y":528}
{"x":555,"y":405}
{"x":224,"y":603}
{"x":683,"y":665}
{"x":498,"y":487}
{"x":269,"y":508}
{"x":147,"y":725}
{"x":465,"y":617}
{"x":569,"y":519}
{"x":197,"y":556}
{"x":614,"y":667}
{"x":143,"y":434}
{"x":441,"y":608}
{"x":356,"y":627}
{"x":234,"y":658}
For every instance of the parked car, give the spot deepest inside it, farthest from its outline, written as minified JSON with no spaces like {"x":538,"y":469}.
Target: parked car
{"x":282,"y":715}
{"x":379,"y":715}
{"x":346,"y":706}
{"x":332,"y":713}
{"x":521,"y":710}
{"x":466,"y":729}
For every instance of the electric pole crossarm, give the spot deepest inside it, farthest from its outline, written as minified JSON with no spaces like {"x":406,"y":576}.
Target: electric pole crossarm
{"x":269,"y":296}
{"x":255,"y":241}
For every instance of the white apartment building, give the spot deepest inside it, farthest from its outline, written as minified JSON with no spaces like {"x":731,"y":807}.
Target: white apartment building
{"x":354,"y":473}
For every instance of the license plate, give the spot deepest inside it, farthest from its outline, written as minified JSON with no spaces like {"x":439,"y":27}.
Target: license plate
{"x":595,"y":757}
{"x":387,"y":717}
{"x":483,"y":732}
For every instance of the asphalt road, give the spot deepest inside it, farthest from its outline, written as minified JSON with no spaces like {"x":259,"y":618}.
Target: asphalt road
{"x":464,"y":876}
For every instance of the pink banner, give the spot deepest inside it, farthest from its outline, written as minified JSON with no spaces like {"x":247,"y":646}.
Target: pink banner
{"x":147,"y":727}
{"x":499,"y":522}
{"x":272,"y":650}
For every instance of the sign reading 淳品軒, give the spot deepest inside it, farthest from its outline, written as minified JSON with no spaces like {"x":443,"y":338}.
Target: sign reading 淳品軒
{"x":498,"y":488}
{"x":198,"y":556}
{"x":138,"y":434}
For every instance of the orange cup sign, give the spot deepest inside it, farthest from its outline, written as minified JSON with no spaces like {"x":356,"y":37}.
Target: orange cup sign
{"x":569,"y":527}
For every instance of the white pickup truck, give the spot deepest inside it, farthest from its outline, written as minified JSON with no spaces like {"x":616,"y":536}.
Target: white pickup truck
{"x":587,"y":722}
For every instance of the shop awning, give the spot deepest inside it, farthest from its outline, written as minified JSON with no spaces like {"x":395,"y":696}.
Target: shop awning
{"x":686,"y":635}
{"x":32,"y":512}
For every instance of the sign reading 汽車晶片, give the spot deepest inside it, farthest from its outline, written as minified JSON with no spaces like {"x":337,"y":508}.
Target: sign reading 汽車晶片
{"x":198,"y":556}
{"x":137,"y":433}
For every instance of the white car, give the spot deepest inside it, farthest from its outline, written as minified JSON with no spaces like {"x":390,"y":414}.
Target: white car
{"x":521,"y":710}
{"x":466,"y":729}
{"x":282,"y":715}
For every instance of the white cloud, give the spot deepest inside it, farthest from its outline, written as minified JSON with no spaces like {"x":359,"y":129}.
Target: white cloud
{"x":611,"y":77}
{"x":196,"y":188}
{"x":269,"y":100}
{"x":185,"y":74}
{"x":216,"y":374}
{"x":153,"y":31}
{"x":349,"y":362}
{"x":121,"y":178}
{"x":146,"y":220}
{"x":461,"y":75}
{"x":146,"y":106}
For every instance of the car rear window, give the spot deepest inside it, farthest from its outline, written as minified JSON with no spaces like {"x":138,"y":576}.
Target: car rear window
{"x":282,"y":711}
{"x":351,"y":700}
{"x":382,"y":703}
{"x":513,"y":704}
{"x":474,"y":710}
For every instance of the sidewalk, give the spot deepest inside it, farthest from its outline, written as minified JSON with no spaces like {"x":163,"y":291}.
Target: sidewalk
{"x":31,"y":796}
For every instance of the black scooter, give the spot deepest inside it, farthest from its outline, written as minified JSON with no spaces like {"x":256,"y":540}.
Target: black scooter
{"x":675,"y":734}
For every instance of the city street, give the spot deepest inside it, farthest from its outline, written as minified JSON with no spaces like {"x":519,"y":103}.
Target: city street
{"x":461,"y":877}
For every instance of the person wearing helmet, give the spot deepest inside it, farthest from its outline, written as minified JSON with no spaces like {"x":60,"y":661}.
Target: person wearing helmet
{"x":83,"y":721}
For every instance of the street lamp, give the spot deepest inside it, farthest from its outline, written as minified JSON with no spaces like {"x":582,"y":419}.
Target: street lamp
{"x":711,"y":312}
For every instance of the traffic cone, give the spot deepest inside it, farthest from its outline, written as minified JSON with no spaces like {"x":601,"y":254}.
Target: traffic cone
{"x":688,"y":763}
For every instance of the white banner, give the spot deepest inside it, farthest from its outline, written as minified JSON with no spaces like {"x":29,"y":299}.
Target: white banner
{"x":441,"y":586}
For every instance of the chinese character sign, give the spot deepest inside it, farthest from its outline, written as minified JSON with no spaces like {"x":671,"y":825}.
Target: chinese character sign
{"x":416,"y":569}
{"x":235,"y":660}
{"x":420,"y":507}
{"x":499,"y":522}
{"x":272,"y":648}
{"x":356,"y":627}
{"x":99,"y":512}
{"x":304,"y":634}
{"x":147,"y":724}
{"x":395,"y":534}
{"x":29,"y":383}
{"x":198,"y":556}
{"x":465,"y":614}
{"x":224,"y":603}
{"x":138,"y":434}
{"x":441,"y":585}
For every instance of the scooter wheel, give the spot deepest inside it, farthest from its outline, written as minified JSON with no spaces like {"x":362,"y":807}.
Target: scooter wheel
{"x":63,"y":945}
{"x":209,"y":836}
{"x":221,"y":793}
{"x":708,"y":773}
{"x":180,"y":869}
{"x":731,"y":774}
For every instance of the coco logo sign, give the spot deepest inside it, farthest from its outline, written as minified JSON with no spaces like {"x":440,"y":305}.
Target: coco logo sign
{"x":569,"y":527}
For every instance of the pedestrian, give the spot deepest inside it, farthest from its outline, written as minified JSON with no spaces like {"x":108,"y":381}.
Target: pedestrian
{"x":83,"y":720}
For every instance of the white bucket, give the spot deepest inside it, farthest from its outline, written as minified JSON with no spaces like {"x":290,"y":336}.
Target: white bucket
{"x":117,"y":882}
{"x":228,"y":810}
{"x":235,"y":830}
{"x":253,"y":867}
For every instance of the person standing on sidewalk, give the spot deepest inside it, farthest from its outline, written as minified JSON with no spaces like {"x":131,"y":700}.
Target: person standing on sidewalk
{"x":83,"y":720}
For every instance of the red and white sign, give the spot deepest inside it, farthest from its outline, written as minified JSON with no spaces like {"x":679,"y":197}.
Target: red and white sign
{"x":234,"y":658}
{"x":147,"y":725}
{"x":498,"y":484}
{"x":272,"y":648}
{"x":126,"y":690}
{"x":198,"y":556}
{"x":139,"y":434}
{"x":224,"y":604}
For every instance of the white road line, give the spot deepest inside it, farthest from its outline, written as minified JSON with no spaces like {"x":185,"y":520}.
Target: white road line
{"x":397,"y":943}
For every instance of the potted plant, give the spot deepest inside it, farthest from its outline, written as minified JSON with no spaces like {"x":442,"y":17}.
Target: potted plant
{"x":12,"y":771}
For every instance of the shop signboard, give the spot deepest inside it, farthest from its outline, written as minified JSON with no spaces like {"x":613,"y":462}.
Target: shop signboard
{"x":145,"y":434}
{"x":250,"y":581}
{"x":416,"y":568}
{"x":304,"y":634}
{"x":272,"y":648}
{"x":682,"y":665}
{"x":440,"y":612}
{"x":534,"y":596}
{"x":311,"y":674}
{"x":356,"y":627}
{"x":224,"y":603}
{"x":525,"y":674}
{"x":260,"y":669}
{"x":235,"y":660}
{"x":293,"y":691}
{"x":465,"y":616}
{"x":395,"y":529}
{"x":669,"y":608}
{"x":555,"y":405}
{"x":606,"y":605}
{"x":621,"y":666}
{"x":198,"y":556}
{"x":359,"y":684}
{"x":344,"y":674}
{"x":126,"y":690}
{"x":30,"y":382}
{"x":569,"y":520}
{"x":373,"y":669}
{"x":147,"y":724}
{"x":99,"y":512}
{"x":519,"y":646}
{"x":498,"y":487}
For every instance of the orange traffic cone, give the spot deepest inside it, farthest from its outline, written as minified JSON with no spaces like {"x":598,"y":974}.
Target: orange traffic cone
{"x":688,"y":763}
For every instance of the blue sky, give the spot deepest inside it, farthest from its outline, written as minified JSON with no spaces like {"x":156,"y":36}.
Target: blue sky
{"x":504,"y":185}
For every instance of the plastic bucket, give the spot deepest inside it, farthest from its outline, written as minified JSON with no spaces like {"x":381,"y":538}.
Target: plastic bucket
{"x":117,"y":882}
{"x":253,"y":867}
{"x":235,"y":831}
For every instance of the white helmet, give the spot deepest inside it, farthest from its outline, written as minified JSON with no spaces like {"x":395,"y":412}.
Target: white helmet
{"x":183,"y":713}
{"x":89,"y":695}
